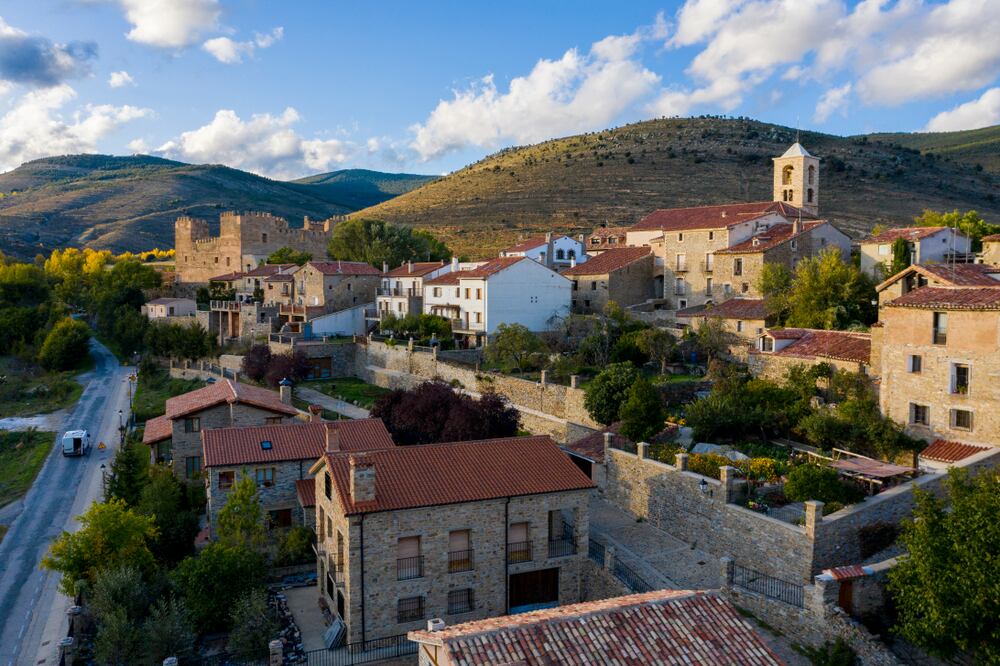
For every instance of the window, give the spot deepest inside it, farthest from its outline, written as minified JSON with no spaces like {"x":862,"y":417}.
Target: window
{"x":409,"y":563}
{"x":682,"y":303}
{"x":727,"y":289}
{"x":915,"y":363}
{"x":560,"y":254}
{"x":216,"y":259}
{"x":940,"y":328}
{"x":739,"y":326}
{"x":738,"y":266}
{"x":410,"y":609}
{"x":576,"y":284}
{"x":460,"y":601}
{"x":327,"y":485}
{"x":263,"y":238}
{"x":678,"y":286}
{"x":681,"y":262}
{"x":919,"y":414}
{"x":959,"y":378}
{"x":459,"y":551}
{"x":280,"y":517}
{"x":795,"y":244}
{"x":227,"y":260}
{"x":571,"y":254}
{"x":273,"y":420}
{"x":458,"y":292}
{"x":812,"y":175}
{"x":961,"y":419}
{"x":786,"y":175}
{"x":479,"y":294}
{"x":518,"y":544}
{"x":192,"y":467}
{"x":708,"y":286}
{"x":593,"y":286}
{"x":265,"y":476}
{"x":437,"y":291}
{"x":711,"y":235}
{"x":468,"y":291}
{"x":809,"y":195}
{"x":226,"y":480}
{"x":883,"y":250}
{"x":348,"y":286}
{"x":586,"y":303}
{"x":192,"y":424}
{"x":479,"y":317}
{"x":766,"y":343}
{"x":744,"y":287}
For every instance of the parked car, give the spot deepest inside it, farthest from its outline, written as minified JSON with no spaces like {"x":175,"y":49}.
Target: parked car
{"x":76,"y":443}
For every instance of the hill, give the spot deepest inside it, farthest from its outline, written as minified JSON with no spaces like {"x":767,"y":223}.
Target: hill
{"x":616,"y":176}
{"x":130,"y":203}
{"x":973,"y":147}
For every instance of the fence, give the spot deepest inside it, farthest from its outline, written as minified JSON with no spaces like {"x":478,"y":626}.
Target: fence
{"x":769,"y":586}
{"x":351,"y":654}
{"x":633,"y":581}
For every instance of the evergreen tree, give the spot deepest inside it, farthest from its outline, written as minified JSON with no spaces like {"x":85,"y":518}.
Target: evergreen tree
{"x":128,"y":474}
{"x":642,"y":414}
{"x":241,"y":520}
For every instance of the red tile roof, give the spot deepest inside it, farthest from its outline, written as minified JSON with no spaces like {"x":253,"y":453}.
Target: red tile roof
{"x":529,"y":244}
{"x":661,"y":627}
{"x":812,"y":343}
{"x":609,"y":261}
{"x":268,"y":269}
{"x":461,"y":472}
{"x":955,"y":275}
{"x":305,"y":489}
{"x":492,"y":267}
{"x":227,"y":391}
{"x":850,"y":572}
{"x":344,"y":268}
{"x":603,"y":234}
{"x":714,"y":217}
{"x":292,"y":441}
{"x":449,"y":278}
{"x":950,"y":298}
{"x":591,"y":446}
{"x":992,"y":238}
{"x":944,"y":451}
{"x":769,"y":238}
{"x":227,"y":277}
{"x":734,"y":308}
{"x":908,"y":233}
{"x":420,"y":269}
{"x":280,"y":277}
{"x":157,"y":430}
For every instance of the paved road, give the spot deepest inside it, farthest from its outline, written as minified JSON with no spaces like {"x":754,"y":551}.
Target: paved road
{"x":331,"y":403}
{"x":32,"y":610}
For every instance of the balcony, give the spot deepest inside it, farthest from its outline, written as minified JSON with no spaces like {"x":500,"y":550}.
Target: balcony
{"x":462,"y":325}
{"x":679,"y":291}
{"x":707,"y":266}
{"x":681,"y":267}
{"x":940,"y":336}
{"x":460,"y":560}
{"x":338,"y":573}
{"x":413,"y":292}
{"x":519,"y":552}
{"x":562,"y":543}
{"x":408,"y":568}
{"x":226,"y":306}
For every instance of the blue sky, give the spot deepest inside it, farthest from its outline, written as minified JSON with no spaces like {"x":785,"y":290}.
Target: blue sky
{"x":291,"y":88}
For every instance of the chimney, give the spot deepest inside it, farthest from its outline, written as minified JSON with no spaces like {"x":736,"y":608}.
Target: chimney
{"x":306,"y":222}
{"x":285,"y":391}
{"x":332,"y":440}
{"x":362,"y":479}
{"x":454,"y":263}
{"x":797,"y":226}
{"x":385,"y":266}
{"x":572,"y":262}
{"x":723,"y":213}
{"x":607,"y":443}
{"x":315,"y":412}
{"x":409,"y":266}
{"x":548,"y":249}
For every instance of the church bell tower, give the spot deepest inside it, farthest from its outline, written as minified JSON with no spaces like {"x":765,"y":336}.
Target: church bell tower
{"x":796,"y":179}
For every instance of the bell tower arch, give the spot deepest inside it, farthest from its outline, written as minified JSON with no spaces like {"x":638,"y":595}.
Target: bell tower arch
{"x":796,"y":179}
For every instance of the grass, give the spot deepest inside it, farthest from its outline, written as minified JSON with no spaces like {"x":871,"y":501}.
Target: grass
{"x":154,"y":388}
{"x":350,"y":389}
{"x":671,"y":379}
{"x":28,"y":389}
{"x":326,"y":414}
{"x":22,"y":455}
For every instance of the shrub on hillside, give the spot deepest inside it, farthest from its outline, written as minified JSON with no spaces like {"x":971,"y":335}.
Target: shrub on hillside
{"x":65,"y":346}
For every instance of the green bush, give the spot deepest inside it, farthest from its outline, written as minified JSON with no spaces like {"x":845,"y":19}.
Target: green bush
{"x":707,"y":464}
{"x":838,"y":653}
{"x":65,"y":346}
{"x":815,"y":482}
{"x":642,"y":414}
{"x":609,"y":390}
{"x":296,"y":547}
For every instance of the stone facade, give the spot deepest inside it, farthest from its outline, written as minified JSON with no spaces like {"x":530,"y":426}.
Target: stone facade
{"x":276,"y":496}
{"x":244,"y":240}
{"x":770,"y":366}
{"x":368,"y":586}
{"x":991,"y":250}
{"x":334,"y":292}
{"x":626,"y":286}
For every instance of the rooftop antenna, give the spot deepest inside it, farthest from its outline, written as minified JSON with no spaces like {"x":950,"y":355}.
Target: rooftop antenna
{"x":796,"y":129}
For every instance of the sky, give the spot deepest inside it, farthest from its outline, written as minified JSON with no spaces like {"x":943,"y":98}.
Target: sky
{"x":288,"y":89}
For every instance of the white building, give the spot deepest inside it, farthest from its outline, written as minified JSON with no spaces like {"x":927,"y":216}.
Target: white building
{"x":557,"y":252}
{"x":164,"y":308}
{"x":402,"y":288}
{"x":927,"y":245}
{"x":508,"y":290}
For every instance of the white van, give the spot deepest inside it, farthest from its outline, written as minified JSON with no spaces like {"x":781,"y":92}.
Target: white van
{"x":76,"y":443}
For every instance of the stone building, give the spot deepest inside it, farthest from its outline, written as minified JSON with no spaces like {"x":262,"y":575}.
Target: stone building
{"x":623,"y":275}
{"x":336,"y":285}
{"x":937,"y":275}
{"x":744,"y":317}
{"x":402,"y":288}
{"x":278,"y":457}
{"x":244,"y":241}
{"x":606,"y":238}
{"x":175,"y":437}
{"x":459,"y":531}
{"x":661,"y":627}
{"x":926,"y":245}
{"x":940,"y":357}
{"x":796,"y":179}
{"x":169,"y":309}
{"x":991,"y":250}
{"x":779,"y":349}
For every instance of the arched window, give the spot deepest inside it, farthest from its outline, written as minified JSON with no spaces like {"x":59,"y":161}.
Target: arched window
{"x":560,"y":254}
{"x":812,"y":174}
{"x":572,"y":254}
{"x":809,"y":195}
{"x":786,"y":175}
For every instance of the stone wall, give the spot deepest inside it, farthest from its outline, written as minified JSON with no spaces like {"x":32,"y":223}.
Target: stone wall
{"x":599,"y":583}
{"x":773,"y":367}
{"x":280,"y":495}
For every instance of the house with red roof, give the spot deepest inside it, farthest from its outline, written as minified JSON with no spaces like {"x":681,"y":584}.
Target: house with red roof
{"x":924,"y":245}
{"x":778,"y":349}
{"x":402,"y":288}
{"x":744,"y":317}
{"x":551,"y":250}
{"x":661,"y":627}
{"x":460,"y":531}
{"x":278,"y":458}
{"x":175,"y":437}
{"x":505,"y":290}
{"x":937,"y":275}
{"x":990,"y":254}
{"x":622,"y":275}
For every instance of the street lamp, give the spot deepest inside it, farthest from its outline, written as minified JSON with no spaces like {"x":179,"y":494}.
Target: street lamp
{"x":104,"y":481}
{"x":121,"y":426}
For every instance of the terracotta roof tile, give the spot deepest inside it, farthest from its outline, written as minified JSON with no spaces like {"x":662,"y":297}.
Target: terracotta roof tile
{"x":769,"y":238}
{"x":280,"y":277}
{"x":714,"y":217}
{"x":734,"y":308}
{"x":461,"y":472}
{"x":292,"y":441}
{"x":344,"y":268}
{"x":492,"y":267}
{"x":305,"y":489}
{"x":227,"y":277}
{"x":157,"y":430}
{"x":591,"y":446}
{"x":950,"y":298}
{"x":449,"y":278}
{"x":850,"y":572}
{"x":943,"y":450}
{"x":909,"y":233}
{"x":813,"y":343}
{"x":529,"y":244}
{"x":662,"y":627}
{"x":609,"y":261}
{"x":225,"y":391}
{"x":992,"y":238}
{"x":954,"y":275}
{"x":420,"y":269}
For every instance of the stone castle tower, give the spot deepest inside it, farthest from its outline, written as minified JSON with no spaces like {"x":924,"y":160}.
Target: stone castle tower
{"x":796,"y":179}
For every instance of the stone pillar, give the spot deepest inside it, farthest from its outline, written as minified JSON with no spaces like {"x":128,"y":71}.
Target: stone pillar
{"x":726,"y":572}
{"x":609,"y":559}
{"x":67,"y":650}
{"x":821,"y":595}
{"x":607,"y":445}
{"x":544,"y":378}
{"x":727,"y":475}
{"x":814,"y":516}
{"x":681,"y":462}
{"x":574,"y":381}
{"x":236,"y":375}
{"x":642,"y":450}
{"x":274,"y":648}
{"x":434,"y":353}
{"x":409,"y":345}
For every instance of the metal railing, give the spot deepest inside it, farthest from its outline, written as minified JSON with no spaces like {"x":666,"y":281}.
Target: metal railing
{"x":396,"y":291}
{"x":232,"y":306}
{"x":409,"y":567}
{"x":563,"y":544}
{"x":460,"y":601}
{"x":410,"y":610}
{"x":769,"y":586}
{"x":681,"y":267}
{"x":519,"y":552}
{"x":630,"y":578}
{"x":596,"y":551}
{"x":460,"y":560}
{"x":351,"y":654}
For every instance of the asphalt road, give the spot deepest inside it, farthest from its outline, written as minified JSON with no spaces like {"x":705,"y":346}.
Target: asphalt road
{"x":32,"y":610}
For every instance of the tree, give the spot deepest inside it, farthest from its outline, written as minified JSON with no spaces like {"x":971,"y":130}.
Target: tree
{"x":713,"y":338}
{"x":128,"y":473}
{"x":119,"y":641}
{"x":241,"y":520}
{"x":294,"y":366}
{"x":900,"y":257}
{"x":164,"y":499}
{"x":775,"y":285}
{"x":120,"y":588}
{"x":65,"y":346}
{"x":608,"y":391}
{"x":818,"y":482}
{"x":658,"y":345}
{"x":946,"y":590}
{"x":829,"y":293}
{"x":112,"y":535}
{"x":642,"y":414}
{"x":212,"y":581}
{"x":169,"y":631}
{"x":377,"y":242}
{"x":255,"y":362}
{"x":286,"y":255}
{"x":513,"y":347}
{"x":969,"y":223}
{"x":254,"y":626}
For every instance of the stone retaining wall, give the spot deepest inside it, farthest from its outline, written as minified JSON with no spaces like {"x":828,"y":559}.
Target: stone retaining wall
{"x":599,"y":583}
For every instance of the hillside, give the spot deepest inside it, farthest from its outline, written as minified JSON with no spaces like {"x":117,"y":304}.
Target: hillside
{"x":972,"y":147}
{"x":616,"y":176}
{"x":130,"y":203}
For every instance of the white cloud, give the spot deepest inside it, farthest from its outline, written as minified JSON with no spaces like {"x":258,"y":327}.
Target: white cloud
{"x":265,"y":144}
{"x":833,"y":101}
{"x":38,"y":61}
{"x":699,"y":19}
{"x":36,"y":127}
{"x":578,"y":92}
{"x":231,"y":52}
{"x":981,"y":112}
{"x":120,"y":79}
{"x":169,"y":23}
